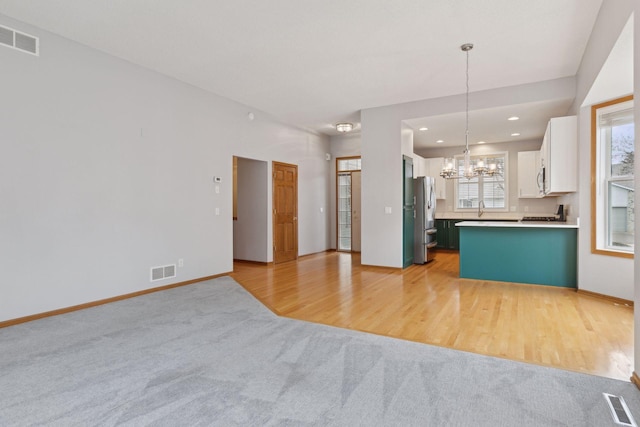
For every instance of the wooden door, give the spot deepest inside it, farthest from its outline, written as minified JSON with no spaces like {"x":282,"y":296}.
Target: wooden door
{"x":355,"y":211}
{"x":285,"y":212}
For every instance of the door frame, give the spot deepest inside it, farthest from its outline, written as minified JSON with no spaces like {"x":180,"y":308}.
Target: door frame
{"x":273,"y":210}
{"x":338,"y":198}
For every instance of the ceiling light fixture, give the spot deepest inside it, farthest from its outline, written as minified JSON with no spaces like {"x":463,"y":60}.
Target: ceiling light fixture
{"x":481,"y":142}
{"x":515,"y":134}
{"x":423,"y":129}
{"x":439,"y":141}
{"x":344,"y":127}
{"x":512,"y":118}
{"x":449,"y":170}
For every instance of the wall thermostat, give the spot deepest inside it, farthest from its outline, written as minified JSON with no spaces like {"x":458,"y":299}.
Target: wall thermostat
{"x":217,"y":179}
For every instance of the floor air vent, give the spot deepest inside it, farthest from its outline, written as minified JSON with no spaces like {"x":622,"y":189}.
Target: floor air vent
{"x":163,"y":272}
{"x":20,"y":41}
{"x":619,"y":410}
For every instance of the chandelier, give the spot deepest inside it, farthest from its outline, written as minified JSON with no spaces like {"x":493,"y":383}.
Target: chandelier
{"x":470,"y":170}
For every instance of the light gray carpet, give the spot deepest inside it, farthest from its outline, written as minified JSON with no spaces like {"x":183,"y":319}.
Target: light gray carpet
{"x":210,"y":354}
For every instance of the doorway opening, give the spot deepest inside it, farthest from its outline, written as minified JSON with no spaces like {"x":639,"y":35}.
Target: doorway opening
{"x":348,"y":174}
{"x":250,"y":210}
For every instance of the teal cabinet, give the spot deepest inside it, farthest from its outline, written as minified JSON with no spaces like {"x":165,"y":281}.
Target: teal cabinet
{"x":441,"y":235}
{"x":544,"y":255}
{"x":448,"y":235}
{"x":408,"y":212}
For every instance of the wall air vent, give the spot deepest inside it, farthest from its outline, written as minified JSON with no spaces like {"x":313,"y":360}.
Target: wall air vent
{"x":20,"y":41}
{"x":163,"y":272}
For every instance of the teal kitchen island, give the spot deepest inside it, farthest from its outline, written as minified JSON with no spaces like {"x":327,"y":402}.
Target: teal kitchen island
{"x":542,"y":253}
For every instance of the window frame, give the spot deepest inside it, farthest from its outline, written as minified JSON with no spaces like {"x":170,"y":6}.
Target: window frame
{"x":600,"y":174}
{"x":337,"y":198}
{"x":505,"y":174}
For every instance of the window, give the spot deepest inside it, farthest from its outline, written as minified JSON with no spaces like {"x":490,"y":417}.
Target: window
{"x":489,"y":189}
{"x":613,"y":189}
{"x":349,"y":164}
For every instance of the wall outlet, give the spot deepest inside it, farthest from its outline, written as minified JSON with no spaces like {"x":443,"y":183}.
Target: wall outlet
{"x":217,"y":189}
{"x":180,"y":262}
{"x":217,"y":211}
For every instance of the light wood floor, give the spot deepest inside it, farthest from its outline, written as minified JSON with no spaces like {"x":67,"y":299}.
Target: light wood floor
{"x":431,"y":304}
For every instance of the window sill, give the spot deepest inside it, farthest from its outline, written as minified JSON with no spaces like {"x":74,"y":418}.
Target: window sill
{"x":610,"y":252}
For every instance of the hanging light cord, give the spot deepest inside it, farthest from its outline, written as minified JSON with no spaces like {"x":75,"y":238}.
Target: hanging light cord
{"x":467,"y":119}
{"x":466,"y":137}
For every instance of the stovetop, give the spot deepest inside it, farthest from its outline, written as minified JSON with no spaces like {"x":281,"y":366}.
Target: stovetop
{"x":540,"y":218}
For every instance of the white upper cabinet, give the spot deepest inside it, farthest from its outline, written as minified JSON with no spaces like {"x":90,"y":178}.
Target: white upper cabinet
{"x":559,"y":156}
{"x":418,"y":166}
{"x":528,"y":170}
{"x":432,"y":167}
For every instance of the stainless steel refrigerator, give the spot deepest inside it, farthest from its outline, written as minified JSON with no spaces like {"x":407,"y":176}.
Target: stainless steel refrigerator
{"x":424,"y":231}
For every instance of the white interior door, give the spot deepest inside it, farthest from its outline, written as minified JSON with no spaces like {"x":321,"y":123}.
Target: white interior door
{"x":355,"y":211}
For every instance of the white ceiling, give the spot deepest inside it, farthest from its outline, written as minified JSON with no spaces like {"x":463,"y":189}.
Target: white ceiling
{"x":488,"y":126}
{"x":318,"y":62}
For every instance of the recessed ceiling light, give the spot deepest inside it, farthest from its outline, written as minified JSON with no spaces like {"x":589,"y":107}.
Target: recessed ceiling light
{"x":515,"y":134}
{"x":481,"y":142}
{"x":439,"y":141}
{"x":423,"y":129}
{"x":513,"y":118}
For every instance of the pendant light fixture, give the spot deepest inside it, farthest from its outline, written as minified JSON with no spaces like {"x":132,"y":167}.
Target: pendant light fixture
{"x":450,"y":169}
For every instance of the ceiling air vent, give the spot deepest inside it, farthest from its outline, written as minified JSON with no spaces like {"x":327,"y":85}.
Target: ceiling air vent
{"x":20,"y":41}
{"x":163,"y":272}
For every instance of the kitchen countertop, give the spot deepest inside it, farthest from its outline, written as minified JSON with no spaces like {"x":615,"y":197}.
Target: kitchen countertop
{"x":519,"y":224}
{"x":474,"y":217}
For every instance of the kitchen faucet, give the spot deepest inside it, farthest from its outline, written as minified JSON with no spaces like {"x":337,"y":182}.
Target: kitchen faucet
{"x":480,"y":208}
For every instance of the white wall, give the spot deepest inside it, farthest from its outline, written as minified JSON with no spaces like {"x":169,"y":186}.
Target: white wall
{"x":598,"y":273}
{"x":107,"y":170}
{"x":381,"y":188}
{"x":250,"y":230}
